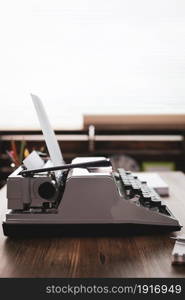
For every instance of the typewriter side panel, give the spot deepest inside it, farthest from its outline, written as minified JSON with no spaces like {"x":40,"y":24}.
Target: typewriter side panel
{"x":88,"y":198}
{"x":98,"y":200}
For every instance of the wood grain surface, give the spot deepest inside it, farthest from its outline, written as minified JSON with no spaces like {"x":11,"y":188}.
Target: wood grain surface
{"x":141,"y":256}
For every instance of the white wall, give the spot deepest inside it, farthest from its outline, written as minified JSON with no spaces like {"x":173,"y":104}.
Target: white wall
{"x":90,"y":55}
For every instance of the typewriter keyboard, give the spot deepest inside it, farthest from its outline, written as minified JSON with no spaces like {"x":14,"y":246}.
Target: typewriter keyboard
{"x":145,"y":195}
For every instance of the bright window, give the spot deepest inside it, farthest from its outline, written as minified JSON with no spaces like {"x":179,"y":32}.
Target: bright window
{"x":91,"y":56}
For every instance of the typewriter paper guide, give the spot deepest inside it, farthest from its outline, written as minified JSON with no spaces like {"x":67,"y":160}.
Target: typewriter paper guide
{"x":33,"y":161}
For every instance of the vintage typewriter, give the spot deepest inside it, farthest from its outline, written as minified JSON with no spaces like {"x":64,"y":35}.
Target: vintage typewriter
{"x":86,"y":197}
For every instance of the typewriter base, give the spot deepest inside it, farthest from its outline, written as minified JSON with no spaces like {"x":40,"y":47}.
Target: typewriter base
{"x":54,"y":230}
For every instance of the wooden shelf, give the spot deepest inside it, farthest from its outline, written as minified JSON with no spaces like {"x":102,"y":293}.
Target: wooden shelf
{"x":142,"y":145}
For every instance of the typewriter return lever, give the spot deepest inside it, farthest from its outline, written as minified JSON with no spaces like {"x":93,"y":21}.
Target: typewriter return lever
{"x":89,"y":164}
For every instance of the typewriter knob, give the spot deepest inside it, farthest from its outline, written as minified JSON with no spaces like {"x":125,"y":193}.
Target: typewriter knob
{"x":47,"y":190}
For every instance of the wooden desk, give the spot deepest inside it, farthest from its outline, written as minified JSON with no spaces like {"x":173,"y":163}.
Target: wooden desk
{"x":142,"y":256}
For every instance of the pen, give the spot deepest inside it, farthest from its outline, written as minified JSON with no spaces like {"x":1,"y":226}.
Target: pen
{"x":12,"y":158}
{"x":14,"y":153}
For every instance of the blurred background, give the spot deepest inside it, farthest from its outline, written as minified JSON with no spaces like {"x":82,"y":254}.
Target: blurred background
{"x":111,"y":74}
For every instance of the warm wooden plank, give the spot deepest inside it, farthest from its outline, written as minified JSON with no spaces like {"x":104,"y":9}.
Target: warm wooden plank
{"x":135,"y":121}
{"x":142,"y":256}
